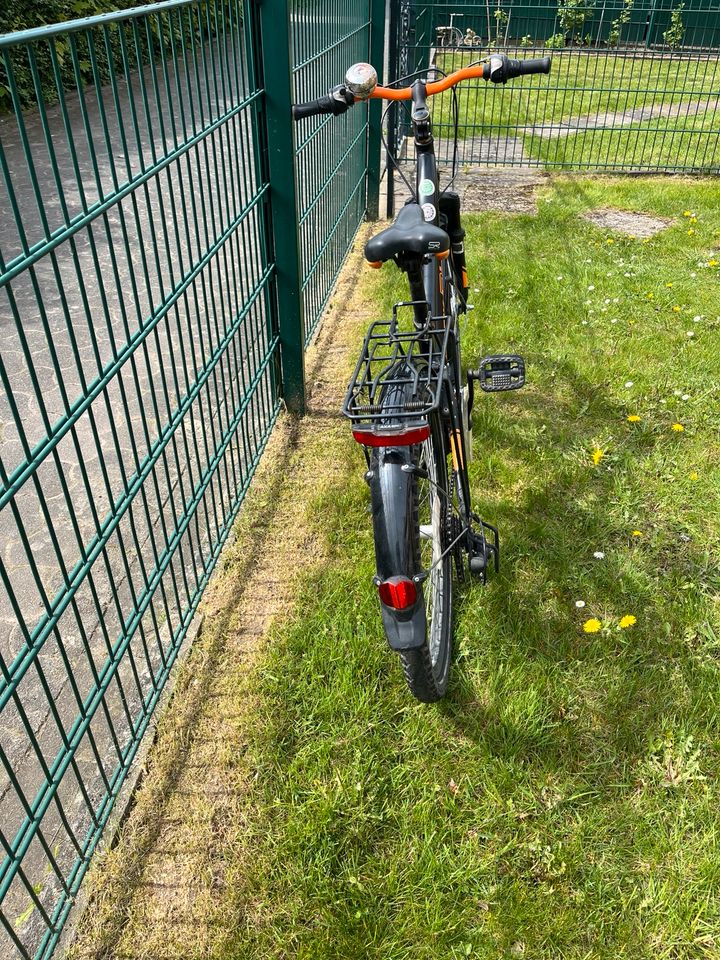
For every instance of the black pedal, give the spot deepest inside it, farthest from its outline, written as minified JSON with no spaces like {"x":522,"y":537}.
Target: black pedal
{"x":505,"y":371}
{"x":482,"y":550}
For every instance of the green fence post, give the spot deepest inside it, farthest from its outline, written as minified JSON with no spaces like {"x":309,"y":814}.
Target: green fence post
{"x":651,"y":25}
{"x":377,"y":59}
{"x":277,"y":81}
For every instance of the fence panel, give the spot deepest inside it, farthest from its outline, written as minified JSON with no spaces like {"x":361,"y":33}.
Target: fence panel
{"x":625,"y":93}
{"x":138,"y":369}
{"x":328,"y":36}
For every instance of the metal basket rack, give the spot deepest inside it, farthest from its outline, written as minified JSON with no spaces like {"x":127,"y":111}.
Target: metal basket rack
{"x":398,"y":378}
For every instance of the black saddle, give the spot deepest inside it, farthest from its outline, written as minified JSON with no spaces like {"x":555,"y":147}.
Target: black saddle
{"x":409,"y":233}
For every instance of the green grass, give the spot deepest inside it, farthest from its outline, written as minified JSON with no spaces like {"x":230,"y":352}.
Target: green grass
{"x":582,"y":85}
{"x":681,"y":141}
{"x":563,"y":801}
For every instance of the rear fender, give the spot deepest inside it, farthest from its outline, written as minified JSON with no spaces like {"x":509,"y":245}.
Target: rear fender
{"x":391,"y":482}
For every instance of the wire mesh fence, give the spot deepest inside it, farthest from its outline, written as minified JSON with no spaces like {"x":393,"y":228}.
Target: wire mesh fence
{"x":140,"y":379}
{"x":634,"y":86}
{"x":331,"y":152}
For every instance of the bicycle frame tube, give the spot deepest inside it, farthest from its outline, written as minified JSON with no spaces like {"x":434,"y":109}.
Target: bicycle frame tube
{"x":426,"y":187}
{"x":428,"y":196}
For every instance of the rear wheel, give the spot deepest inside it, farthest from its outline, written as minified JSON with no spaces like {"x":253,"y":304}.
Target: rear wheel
{"x":427,"y":668}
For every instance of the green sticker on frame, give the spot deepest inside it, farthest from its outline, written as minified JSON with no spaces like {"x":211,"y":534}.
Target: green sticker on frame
{"x":426,"y":188}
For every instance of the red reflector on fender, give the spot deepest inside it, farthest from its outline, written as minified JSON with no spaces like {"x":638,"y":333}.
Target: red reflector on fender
{"x":403,"y":439}
{"x":398,"y":593}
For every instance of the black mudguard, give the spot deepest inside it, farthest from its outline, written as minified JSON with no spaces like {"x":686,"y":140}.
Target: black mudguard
{"x":391,"y":483}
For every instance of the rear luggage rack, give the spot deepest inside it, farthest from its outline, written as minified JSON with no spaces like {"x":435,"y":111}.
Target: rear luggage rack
{"x":398,"y":379}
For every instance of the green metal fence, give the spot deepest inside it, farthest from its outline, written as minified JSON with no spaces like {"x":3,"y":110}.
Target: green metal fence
{"x":625,"y":92}
{"x":331,"y":153}
{"x":145,"y":354}
{"x":645,"y":22}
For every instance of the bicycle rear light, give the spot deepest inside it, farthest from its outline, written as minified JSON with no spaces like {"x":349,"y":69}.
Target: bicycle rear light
{"x":403,"y":438}
{"x":398,"y":593}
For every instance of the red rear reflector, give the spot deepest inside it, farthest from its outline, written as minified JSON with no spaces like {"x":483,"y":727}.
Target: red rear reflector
{"x":398,"y":593}
{"x":402,"y":439}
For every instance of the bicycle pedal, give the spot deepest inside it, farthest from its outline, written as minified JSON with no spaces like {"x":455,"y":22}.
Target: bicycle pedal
{"x":505,"y":371}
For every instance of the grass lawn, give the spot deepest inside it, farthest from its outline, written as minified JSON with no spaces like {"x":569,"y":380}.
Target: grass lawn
{"x":583,"y":85}
{"x":563,"y":801}
{"x":692,"y":141}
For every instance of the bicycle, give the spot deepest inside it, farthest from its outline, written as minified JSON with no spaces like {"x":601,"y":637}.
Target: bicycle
{"x":449,"y":35}
{"x":408,"y":402}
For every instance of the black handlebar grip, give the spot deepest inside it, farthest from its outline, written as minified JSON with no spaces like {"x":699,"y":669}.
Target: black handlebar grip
{"x":314,"y":108}
{"x":500,"y":69}
{"x":532,"y":66}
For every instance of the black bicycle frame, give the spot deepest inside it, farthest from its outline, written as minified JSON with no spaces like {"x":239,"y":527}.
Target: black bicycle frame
{"x":428,"y":196}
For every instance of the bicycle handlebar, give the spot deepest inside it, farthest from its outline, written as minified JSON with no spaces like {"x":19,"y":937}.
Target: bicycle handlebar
{"x":497,"y":69}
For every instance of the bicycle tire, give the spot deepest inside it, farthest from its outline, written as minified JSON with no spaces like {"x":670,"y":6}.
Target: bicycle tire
{"x":427,"y":668}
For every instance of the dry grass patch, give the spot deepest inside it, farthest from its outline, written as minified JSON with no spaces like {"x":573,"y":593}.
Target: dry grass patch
{"x":627,"y":221}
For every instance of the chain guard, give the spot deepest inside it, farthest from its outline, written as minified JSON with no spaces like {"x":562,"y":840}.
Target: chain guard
{"x":453,"y":531}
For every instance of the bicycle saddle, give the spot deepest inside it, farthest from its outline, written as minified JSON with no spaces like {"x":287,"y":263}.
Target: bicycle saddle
{"x":409,"y":233}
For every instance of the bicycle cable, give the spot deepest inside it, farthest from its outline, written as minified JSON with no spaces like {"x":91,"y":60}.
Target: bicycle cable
{"x":454,"y":169}
{"x":390,"y":155}
{"x":456,"y":126}
{"x":408,"y":76}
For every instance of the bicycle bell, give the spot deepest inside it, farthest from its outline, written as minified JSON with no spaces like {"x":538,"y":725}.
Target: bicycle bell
{"x":361,"y":79}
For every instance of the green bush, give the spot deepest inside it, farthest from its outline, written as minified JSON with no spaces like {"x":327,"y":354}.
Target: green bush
{"x":676,"y":31}
{"x":24,"y":14}
{"x":617,"y":25}
{"x":572,"y":15}
{"x":556,"y":41}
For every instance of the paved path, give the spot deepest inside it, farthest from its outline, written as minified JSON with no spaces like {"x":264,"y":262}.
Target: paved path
{"x":611,"y":121}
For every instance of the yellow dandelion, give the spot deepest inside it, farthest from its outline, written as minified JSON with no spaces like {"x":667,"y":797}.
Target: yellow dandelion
{"x":646,"y":239}
{"x":597,"y":455}
{"x":691,"y":233}
{"x":676,"y":309}
{"x":627,"y":621}
{"x":669,"y":285}
{"x":593,"y":625}
{"x":609,"y":240}
{"x":693,"y":219}
{"x":712,"y":263}
{"x":634,"y":418}
{"x":694,"y":475}
{"x":678,"y":427}
{"x":687,"y":213}
{"x":650,"y":296}
{"x":637,"y":533}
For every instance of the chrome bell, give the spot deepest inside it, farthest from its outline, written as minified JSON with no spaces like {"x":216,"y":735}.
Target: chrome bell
{"x":361,"y":79}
